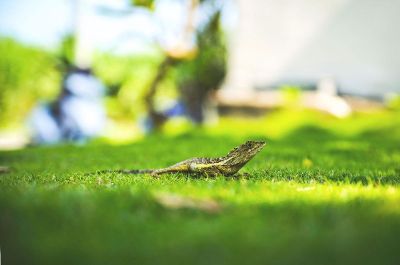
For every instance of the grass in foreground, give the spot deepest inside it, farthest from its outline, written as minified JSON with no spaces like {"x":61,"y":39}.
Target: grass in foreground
{"x":314,"y":196}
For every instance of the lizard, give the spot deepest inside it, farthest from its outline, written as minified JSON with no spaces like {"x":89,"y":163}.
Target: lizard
{"x":228,"y":165}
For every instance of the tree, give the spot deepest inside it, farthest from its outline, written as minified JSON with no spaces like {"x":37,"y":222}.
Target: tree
{"x":199,"y":70}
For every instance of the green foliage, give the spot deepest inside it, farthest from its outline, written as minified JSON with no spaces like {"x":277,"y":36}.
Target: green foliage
{"x":143,"y":3}
{"x":207,"y":69}
{"x":26,"y":75}
{"x":29,"y":75}
{"x":315,"y":195}
{"x":127,"y":80}
{"x":66,"y":53}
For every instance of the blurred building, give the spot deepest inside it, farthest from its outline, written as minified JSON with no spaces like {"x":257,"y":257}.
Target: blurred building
{"x":352,"y":43}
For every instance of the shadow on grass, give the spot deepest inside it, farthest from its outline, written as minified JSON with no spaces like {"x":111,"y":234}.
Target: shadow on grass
{"x":121,"y":227}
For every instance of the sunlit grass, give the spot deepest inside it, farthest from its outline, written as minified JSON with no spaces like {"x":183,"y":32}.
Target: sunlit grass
{"x":280,"y":123}
{"x":323,"y":191}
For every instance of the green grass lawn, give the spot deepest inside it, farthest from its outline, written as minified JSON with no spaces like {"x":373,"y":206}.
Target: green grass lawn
{"x":323,"y":191}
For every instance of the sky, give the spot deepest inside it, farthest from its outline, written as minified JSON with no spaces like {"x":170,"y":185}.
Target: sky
{"x":44,"y":22}
{"x":36,"y":22}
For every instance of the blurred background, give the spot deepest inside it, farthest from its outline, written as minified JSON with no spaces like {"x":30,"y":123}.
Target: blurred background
{"x":116,"y":71}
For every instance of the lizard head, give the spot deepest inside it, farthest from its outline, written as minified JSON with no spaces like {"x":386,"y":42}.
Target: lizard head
{"x":251,"y":147}
{"x":229,"y":164}
{"x":243,"y":153}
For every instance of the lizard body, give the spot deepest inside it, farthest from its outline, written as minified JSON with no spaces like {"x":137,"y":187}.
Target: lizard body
{"x":226,"y":165}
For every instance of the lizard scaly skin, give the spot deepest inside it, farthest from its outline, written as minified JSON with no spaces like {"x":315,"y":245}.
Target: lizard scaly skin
{"x":227,"y":165}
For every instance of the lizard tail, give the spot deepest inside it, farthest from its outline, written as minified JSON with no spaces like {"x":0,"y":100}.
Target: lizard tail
{"x":126,"y":171}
